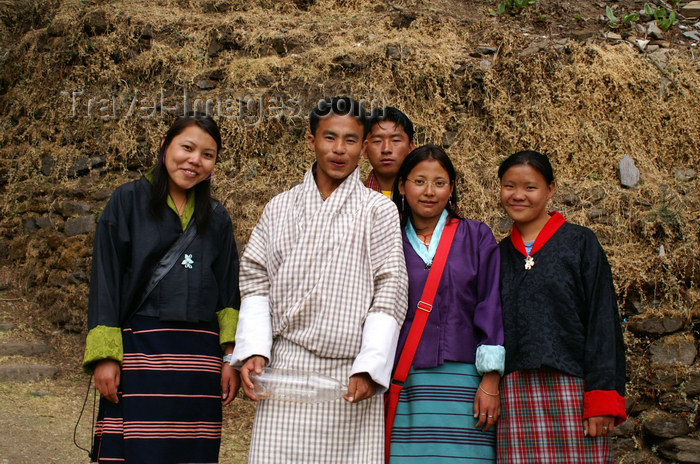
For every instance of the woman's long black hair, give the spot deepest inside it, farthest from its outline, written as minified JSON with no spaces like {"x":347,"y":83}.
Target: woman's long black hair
{"x":202,"y":191}
{"x":419,"y":154}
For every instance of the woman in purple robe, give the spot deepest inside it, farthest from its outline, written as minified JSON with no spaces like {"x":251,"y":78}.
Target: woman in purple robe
{"x":449,"y":403}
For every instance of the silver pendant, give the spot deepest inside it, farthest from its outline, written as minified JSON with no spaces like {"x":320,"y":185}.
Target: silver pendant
{"x":188,"y":261}
{"x":529,"y":262}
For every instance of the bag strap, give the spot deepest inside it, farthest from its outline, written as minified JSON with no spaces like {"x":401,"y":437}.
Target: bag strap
{"x":425,"y":305}
{"x":166,"y":263}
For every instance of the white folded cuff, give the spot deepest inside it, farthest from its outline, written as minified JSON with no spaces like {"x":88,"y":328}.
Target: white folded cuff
{"x":380,"y":335}
{"x":490,"y":358}
{"x":254,"y":332}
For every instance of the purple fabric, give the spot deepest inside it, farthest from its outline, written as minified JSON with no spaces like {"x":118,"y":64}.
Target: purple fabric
{"x":467,"y":307}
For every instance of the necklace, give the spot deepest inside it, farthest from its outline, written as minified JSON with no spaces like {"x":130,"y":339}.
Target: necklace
{"x":425,"y":238}
{"x":181,"y":207}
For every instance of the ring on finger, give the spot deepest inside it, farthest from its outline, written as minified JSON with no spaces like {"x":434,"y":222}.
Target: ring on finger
{"x":490,"y":416}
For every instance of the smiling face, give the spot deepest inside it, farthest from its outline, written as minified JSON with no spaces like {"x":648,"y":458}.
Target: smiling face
{"x":524,"y":196}
{"x":337,"y":144}
{"x":427,"y":190}
{"x":189,"y":159}
{"x":386,"y":147}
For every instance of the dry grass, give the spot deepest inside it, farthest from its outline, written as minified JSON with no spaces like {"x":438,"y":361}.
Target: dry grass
{"x":585,"y":105}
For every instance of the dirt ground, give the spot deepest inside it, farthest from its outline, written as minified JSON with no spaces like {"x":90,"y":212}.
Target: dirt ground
{"x":38,"y":419}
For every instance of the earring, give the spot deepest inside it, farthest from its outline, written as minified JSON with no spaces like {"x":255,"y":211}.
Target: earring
{"x":402,"y":203}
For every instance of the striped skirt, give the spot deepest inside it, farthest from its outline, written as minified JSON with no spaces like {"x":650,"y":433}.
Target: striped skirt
{"x":333,"y":432}
{"x":541,"y":421}
{"x":435,"y":422}
{"x":169,"y":408}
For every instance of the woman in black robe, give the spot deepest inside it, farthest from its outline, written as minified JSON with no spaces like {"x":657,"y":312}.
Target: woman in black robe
{"x":564,"y":383}
{"x":157,"y":357}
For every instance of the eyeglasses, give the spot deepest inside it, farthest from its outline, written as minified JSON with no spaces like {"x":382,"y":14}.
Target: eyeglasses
{"x":437,"y":184}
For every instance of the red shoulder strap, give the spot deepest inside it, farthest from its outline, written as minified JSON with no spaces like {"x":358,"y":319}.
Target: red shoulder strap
{"x":425,"y":306}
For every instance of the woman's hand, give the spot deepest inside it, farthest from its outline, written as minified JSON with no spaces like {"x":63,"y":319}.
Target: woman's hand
{"x":487,"y":407}
{"x":256,"y":364}
{"x":230,"y":383}
{"x":598,"y":426}
{"x":107,"y":375}
{"x":360,"y":387}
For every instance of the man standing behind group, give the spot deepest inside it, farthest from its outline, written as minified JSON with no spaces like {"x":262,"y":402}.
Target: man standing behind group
{"x":324,"y":288}
{"x":389,"y":140}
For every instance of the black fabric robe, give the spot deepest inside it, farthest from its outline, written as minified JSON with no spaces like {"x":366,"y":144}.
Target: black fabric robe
{"x":562,"y":313}
{"x":129,"y":242}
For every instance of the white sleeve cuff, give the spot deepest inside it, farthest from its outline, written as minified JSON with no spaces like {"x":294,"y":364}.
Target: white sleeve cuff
{"x":380,"y":335}
{"x":254,"y":332}
{"x":490,"y":358}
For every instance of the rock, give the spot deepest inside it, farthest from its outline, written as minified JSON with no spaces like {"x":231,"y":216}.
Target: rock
{"x":654,"y":325}
{"x":30,"y":225}
{"x":613,"y":36}
{"x":654,"y":31}
{"x":402,"y":20}
{"x":675,"y":403}
{"x":485,"y":65}
{"x":697,"y":25}
{"x":666,"y":426}
{"x":206,"y":84}
{"x":652,"y":48}
{"x":684,"y":175}
{"x":101,"y":194}
{"x":692,"y":35}
{"x":691,"y":10}
{"x":46,"y":165}
{"x":73,"y":208}
{"x":582,"y":36}
{"x":97,"y":162}
{"x":393,"y":53}
{"x":448,"y":138}
{"x":147,"y":32}
{"x":641,"y":44}
{"x":23,"y":348}
{"x":79,"y":225}
{"x":485,"y":50}
{"x":60,"y":26}
{"x":625,"y":429}
{"x":660,"y":56}
{"x":692,"y":386}
{"x":215,"y":47}
{"x":95,"y":23}
{"x":629,"y":174}
{"x":569,"y":198}
{"x":596,"y":213}
{"x":534,"y":48}
{"x":672,"y":350}
{"x":77,"y":278}
{"x":623,"y":445}
{"x":26,"y":373}
{"x":686,"y":450}
{"x":7,"y":326}
{"x":666,"y":378}
{"x":52,"y":220}
{"x":80,"y":167}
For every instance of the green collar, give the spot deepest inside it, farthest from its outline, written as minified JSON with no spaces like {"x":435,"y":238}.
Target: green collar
{"x":189,"y":206}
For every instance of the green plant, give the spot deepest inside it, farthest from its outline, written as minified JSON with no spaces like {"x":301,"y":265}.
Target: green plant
{"x":663,"y":19}
{"x":626,"y":19}
{"x":578,"y":17}
{"x":511,"y":7}
{"x":613,"y":21}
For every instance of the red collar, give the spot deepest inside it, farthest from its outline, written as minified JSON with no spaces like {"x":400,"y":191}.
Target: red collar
{"x":555,"y":221}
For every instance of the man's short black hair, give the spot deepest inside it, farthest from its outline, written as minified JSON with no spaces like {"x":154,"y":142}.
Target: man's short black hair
{"x":339,"y":106}
{"x":391,"y":114}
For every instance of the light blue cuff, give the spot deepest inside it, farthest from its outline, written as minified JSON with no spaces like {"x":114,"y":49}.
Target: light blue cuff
{"x":490,"y":358}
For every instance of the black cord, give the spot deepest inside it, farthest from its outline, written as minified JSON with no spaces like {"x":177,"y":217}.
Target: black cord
{"x":75,"y":430}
